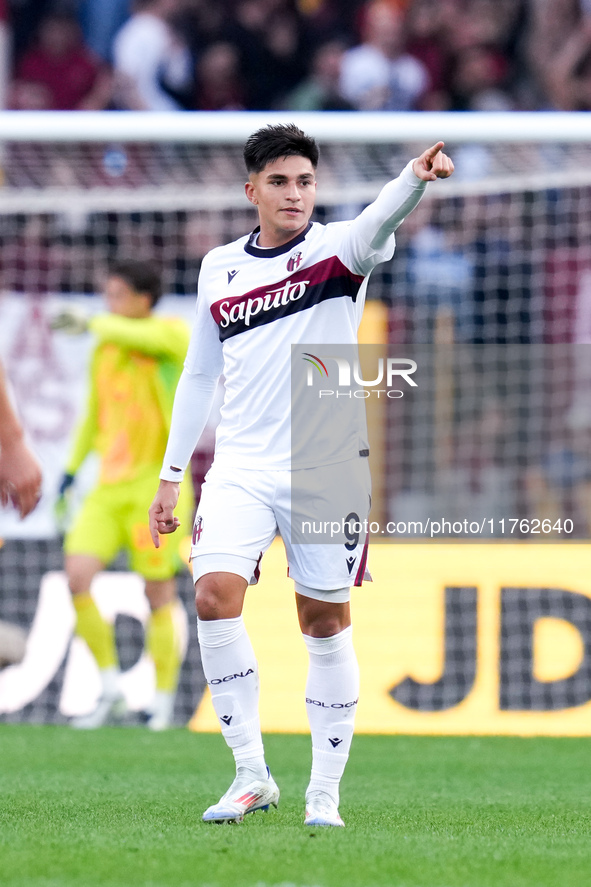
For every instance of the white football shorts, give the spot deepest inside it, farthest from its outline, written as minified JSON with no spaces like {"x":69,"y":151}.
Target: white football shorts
{"x":241,"y":510}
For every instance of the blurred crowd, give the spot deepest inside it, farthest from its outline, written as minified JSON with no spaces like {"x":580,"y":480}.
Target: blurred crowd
{"x":444,"y":55}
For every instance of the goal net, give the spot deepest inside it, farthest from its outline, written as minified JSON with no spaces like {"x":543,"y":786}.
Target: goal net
{"x":489,"y":292}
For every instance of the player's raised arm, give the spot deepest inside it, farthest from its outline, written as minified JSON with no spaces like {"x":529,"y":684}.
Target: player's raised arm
{"x":377,"y":223}
{"x":433,"y":164}
{"x":152,"y":335}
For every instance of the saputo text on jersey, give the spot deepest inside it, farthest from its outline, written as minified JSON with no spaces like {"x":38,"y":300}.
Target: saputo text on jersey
{"x":247,"y":308}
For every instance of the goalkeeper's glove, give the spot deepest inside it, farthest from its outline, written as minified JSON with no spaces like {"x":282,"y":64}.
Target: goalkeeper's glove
{"x":72,"y":320}
{"x":62,"y":504}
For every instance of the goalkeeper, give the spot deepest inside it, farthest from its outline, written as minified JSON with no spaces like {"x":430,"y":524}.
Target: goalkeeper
{"x":135,"y":367}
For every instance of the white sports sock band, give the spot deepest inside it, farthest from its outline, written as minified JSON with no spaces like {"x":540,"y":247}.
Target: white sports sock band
{"x":219,"y":632}
{"x":326,"y":647}
{"x":231,"y":672}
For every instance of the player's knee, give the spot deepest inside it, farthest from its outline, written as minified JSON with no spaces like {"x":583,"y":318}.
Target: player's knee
{"x":219,"y":596}
{"x":160,"y":592}
{"x":208,"y":606}
{"x":207,"y":598}
{"x":75,"y":585}
{"x":322,"y":618}
{"x":324,"y":622}
{"x":78,"y":581}
{"x":326,"y":626}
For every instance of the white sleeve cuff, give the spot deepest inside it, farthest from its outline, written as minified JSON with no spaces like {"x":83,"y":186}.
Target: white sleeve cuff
{"x":192,"y":405}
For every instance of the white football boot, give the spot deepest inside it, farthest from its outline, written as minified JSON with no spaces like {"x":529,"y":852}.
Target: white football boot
{"x":161,"y":712}
{"x":109,"y":710}
{"x":245,"y":795}
{"x":321,"y":809}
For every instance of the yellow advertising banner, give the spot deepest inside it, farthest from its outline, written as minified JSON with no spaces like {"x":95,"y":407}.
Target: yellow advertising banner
{"x":451,"y":638}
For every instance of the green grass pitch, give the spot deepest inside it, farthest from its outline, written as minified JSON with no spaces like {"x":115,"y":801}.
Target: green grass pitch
{"x":120,"y":808}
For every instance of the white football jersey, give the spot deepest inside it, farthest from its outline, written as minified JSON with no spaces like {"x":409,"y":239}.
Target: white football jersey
{"x":253,"y":305}
{"x":256,"y":306}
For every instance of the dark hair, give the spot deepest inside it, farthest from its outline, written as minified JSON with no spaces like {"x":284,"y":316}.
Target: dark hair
{"x":272,"y":142}
{"x":141,"y":276}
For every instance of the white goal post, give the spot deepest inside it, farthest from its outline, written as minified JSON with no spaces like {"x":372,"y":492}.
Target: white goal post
{"x":502,"y":137}
{"x":234,"y":127}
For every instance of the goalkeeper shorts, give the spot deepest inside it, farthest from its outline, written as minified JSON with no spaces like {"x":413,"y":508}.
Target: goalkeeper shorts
{"x":114,"y":518}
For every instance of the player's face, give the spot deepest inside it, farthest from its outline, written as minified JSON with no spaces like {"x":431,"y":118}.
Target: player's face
{"x":283,"y":193}
{"x":122,"y":299}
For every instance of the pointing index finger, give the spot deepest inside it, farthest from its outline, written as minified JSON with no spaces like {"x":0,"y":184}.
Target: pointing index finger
{"x":435,"y":149}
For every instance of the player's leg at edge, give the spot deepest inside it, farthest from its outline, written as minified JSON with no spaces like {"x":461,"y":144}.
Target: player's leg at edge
{"x":100,"y":638}
{"x":232,"y":674}
{"x":163,"y":645}
{"x":332,"y":692}
{"x":231,"y":671}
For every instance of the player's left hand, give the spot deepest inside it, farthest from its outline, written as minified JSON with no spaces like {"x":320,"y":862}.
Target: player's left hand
{"x":161,"y":516}
{"x":71,"y":320}
{"x":433,"y":164}
{"x":63,"y":504}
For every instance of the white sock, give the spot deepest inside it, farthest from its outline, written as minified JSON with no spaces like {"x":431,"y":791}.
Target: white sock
{"x":110,"y":682}
{"x":332,"y":693}
{"x":232,"y":675}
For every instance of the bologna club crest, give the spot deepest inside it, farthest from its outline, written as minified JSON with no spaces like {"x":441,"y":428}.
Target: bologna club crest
{"x":197,"y":529}
{"x":294,"y":261}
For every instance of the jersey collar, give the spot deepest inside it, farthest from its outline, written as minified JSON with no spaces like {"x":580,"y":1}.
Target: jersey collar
{"x":253,"y":250}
